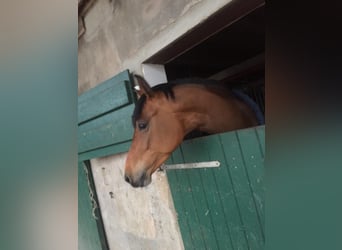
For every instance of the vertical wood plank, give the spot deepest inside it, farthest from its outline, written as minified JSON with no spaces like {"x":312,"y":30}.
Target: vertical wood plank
{"x":193,"y":152}
{"x":242,"y":190}
{"x":184,"y":205}
{"x":260,"y":133}
{"x":231,"y":217}
{"x":214,"y":193}
{"x":254,"y":166}
{"x":88,"y":235}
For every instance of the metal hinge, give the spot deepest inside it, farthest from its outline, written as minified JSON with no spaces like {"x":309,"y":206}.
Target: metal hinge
{"x":205,"y":164}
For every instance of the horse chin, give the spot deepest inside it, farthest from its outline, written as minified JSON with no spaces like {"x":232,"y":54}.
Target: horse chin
{"x":147,"y":181}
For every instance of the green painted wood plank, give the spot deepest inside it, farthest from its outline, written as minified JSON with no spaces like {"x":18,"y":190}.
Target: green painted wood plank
{"x":88,"y":236}
{"x":186,"y":216}
{"x":105,"y":97}
{"x":260,"y":131}
{"x":185,"y":206}
{"x":193,"y":152}
{"x":108,"y":150}
{"x":242,"y":190}
{"x":112,"y":128}
{"x":109,"y":99}
{"x":254,"y":164}
{"x":231,"y":222}
{"x":221,"y":239}
{"x":179,"y":189}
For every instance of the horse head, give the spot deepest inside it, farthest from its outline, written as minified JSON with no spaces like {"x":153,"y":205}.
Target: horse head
{"x":157,"y":133}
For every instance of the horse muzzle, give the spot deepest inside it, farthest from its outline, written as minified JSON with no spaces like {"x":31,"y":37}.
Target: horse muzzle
{"x":141,"y":181}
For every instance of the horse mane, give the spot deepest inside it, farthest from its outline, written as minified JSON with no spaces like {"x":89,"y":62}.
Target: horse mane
{"x":167,"y":90}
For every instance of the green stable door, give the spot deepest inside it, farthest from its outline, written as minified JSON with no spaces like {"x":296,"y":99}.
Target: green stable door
{"x":221,"y":208}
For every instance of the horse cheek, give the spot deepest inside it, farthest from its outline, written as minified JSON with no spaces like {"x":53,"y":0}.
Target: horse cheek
{"x":169,"y":136}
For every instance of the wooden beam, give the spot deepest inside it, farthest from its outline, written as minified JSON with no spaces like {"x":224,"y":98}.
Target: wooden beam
{"x":250,"y":64}
{"x":225,"y":17}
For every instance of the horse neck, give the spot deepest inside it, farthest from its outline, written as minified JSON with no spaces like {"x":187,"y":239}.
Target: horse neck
{"x":194,"y":109}
{"x":210,"y":111}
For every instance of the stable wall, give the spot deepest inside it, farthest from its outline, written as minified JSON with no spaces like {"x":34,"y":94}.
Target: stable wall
{"x":123,"y":35}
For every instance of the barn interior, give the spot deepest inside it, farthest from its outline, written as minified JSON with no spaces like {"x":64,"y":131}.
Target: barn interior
{"x":234,"y":55}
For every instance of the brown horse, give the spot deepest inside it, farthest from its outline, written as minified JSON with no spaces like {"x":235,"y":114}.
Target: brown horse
{"x":166,"y":113}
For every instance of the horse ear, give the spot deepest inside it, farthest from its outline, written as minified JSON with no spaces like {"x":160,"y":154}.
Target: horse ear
{"x":144,"y":87}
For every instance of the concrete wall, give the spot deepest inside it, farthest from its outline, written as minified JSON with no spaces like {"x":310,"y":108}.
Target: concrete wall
{"x":142,"y":218}
{"x":120,"y":35}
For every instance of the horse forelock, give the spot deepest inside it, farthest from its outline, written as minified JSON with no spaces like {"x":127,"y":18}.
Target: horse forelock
{"x":166,"y":89}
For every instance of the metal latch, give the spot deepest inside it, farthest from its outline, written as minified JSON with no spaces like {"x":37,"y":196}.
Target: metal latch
{"x":204,"y":164}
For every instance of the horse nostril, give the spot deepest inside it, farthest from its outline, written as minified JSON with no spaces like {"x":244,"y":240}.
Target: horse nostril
{"x":127,"y":179}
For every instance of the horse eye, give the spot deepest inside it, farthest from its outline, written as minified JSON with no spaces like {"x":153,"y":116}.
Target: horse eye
{"x":142,"y":125}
